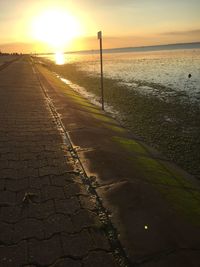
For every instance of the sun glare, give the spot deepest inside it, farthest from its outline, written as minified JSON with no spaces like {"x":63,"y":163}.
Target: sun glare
{"x":59,"y":58}
{"x":56,"y":28}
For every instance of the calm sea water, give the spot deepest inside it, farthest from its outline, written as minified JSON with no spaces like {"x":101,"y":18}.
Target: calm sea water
{"x":146,"y":72}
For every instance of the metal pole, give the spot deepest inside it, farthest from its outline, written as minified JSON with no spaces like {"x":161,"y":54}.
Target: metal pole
{"x":101,"y":60}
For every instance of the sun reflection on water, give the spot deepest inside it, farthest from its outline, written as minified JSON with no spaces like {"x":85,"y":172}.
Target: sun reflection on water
{"x":59,"y":58}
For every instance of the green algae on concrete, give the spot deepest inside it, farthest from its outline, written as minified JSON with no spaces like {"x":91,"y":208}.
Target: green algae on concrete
{"x":184,"y":202}
{"x":179,"y":175}
{"x":114,"y":127}
{"x":172,"y":186}
{"x":154,"y":171}
{"x":103,"y":118}
{"x":129,"y":144}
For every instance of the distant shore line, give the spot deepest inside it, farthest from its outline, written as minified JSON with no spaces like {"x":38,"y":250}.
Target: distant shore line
{"x":194,"y":45}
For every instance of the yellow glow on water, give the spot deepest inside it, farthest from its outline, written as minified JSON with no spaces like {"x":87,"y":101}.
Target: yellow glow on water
{"x":59,"y":58}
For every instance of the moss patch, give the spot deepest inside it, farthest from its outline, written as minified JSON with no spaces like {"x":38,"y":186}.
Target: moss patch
{"x":184,"y":202}
{"x":168,"y":181}
{"x":181,"y":199}
{"x":129,"y":144}
{"x":103,"y":118}
{"x":115,"y":128}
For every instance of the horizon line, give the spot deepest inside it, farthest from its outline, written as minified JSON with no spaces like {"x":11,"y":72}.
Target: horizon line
{"x":122,"y":48}
{"x":116,"y":49}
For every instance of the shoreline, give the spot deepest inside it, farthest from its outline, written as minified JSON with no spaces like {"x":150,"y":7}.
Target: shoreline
{"x":171,"y":127}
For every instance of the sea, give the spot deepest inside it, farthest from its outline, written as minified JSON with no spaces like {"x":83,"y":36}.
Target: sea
{"x":144,"y":69}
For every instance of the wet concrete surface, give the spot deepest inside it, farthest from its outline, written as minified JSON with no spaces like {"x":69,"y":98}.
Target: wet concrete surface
{"x":153,"y":204}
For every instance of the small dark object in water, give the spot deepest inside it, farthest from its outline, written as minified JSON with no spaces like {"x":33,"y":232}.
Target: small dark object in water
{"x":189,"y":75}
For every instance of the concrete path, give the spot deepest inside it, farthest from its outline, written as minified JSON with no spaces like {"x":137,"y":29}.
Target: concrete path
{"x":154,"y":204}
{"x":47,"y":217}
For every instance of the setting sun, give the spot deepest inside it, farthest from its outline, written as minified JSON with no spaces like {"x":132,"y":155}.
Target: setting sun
{"x":56,"y":28}
{"x":59,"y":58}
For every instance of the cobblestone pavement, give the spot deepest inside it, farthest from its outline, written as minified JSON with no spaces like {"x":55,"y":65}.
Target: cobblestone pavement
{"x":47,"y":217}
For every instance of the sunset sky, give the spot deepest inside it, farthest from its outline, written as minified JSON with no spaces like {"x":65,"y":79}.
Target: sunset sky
{"x":39,"y":26}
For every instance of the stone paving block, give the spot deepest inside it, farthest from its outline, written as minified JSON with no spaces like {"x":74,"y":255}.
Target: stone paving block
{"x":77,"y":245}
{"x":67,"y":263}
{"x":63,"y":168}
{"x":15,"y":164}
{"x":45,"y":155}
{"x":45,"y":252}
{"x":52,"y":148}
{"x":6,"y":232}
{"x":14,"y":256}
{"x":34,"y":195}
{"x":16,"y":185}
{"x":58,"y":162}
{"x":99,"y":239}
{"x":35,"y":148}
{"x":27,"y":156}
{"x":48,"y":170}
{"x":36,"y":164}
{"x":22,"y":150}
{"x":45,"y":180}
{"x":28,"y":228}
{"x":8,"y":173}
{"x":28,"y":172}
{"x":12,"y":214}
{"x":88,"y":202}
{"x":39,"y":182}
{"x":35,"y":182}
{"x":84,"y":218}
{"x":53,"y":192}
{"x":41,"y":210}
{"x":4,"y":150}
{"x":4,"y":164}
{"x":73,"y":189}
{"x":57,"y":223}
{"x":10,"y":156}
{"x":2,"y":184}
{"x":7,"y":197}
{"x":67,"y":206}
{"x":99,"y":259}
{"x":59,"y":180}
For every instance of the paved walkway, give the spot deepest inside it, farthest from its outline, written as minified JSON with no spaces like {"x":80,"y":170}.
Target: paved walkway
{"x":47,"y":217}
